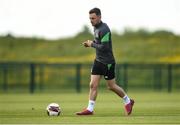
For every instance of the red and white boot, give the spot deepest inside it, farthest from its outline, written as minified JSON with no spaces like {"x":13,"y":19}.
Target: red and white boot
{"x":129,"y":107}
{"x":84,"y":112}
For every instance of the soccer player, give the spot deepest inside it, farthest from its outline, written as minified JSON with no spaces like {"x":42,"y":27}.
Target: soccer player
{"x":104,"y":64}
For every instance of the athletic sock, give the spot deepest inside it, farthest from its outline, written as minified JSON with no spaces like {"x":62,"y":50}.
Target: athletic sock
{"x":91,"y":105}
{"x":126,"y":100}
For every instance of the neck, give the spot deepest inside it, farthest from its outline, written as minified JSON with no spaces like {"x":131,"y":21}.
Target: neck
{"x":98,"y":24}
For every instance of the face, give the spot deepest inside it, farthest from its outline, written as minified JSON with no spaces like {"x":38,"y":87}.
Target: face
{"x":94,"y":19}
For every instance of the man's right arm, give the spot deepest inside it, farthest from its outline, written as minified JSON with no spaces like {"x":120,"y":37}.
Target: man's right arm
{"x":104,"y":43}
{"x":101,"y":46}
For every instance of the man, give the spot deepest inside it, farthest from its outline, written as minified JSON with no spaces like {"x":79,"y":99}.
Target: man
{"x":104,"y":64}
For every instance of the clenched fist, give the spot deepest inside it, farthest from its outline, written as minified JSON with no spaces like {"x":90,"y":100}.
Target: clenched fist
{"x":87,"y":43}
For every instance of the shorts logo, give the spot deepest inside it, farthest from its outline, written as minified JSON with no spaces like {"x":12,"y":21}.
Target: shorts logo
{"x":106,"y":77}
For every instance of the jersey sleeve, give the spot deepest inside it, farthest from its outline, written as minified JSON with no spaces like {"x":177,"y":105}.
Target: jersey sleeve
{"x":105,"y":37}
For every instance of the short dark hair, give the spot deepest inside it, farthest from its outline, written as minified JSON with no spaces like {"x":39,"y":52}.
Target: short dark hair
{"x":95,"y":10}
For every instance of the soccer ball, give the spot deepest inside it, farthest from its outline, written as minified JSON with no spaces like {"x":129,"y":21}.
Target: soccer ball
{"x":53,"y":109}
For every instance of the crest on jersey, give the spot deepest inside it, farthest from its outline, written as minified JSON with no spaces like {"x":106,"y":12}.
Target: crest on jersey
{"x":96,"y":34}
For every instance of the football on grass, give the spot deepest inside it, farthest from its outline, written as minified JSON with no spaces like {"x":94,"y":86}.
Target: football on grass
{"x":53,"y":109}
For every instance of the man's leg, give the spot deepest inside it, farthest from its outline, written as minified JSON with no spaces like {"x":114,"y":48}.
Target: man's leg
{"x":95,"y":79}
{"x":120,"y":92}
{"x":115,"y":88}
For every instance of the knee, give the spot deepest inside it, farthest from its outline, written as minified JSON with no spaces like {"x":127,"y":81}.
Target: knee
{"x":93,"y":85}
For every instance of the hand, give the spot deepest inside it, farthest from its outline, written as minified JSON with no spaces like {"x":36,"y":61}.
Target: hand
{"x":87,"y":43}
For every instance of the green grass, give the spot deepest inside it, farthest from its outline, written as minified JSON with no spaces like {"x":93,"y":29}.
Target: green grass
{"x":150,"y":108}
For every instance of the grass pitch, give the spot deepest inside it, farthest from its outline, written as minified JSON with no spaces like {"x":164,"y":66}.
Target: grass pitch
{"x":150,"y":108}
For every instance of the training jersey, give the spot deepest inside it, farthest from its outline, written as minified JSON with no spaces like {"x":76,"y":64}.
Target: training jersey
{"x":103,"y":44}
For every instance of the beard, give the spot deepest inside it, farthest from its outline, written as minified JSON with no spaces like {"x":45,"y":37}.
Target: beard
{"x":93,"y":24}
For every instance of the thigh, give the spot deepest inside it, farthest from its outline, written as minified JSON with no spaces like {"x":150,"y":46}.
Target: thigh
{"x":95,"y":79}
{"x":111,"y":82}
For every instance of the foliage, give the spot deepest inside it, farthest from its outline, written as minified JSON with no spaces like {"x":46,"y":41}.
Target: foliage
{"x":130,"y":46}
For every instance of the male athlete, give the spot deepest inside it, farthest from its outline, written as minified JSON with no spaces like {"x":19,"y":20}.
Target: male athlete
{"x":104,"y":64}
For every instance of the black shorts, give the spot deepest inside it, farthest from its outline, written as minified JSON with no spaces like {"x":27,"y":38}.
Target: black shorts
{"x":107,"y":70}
